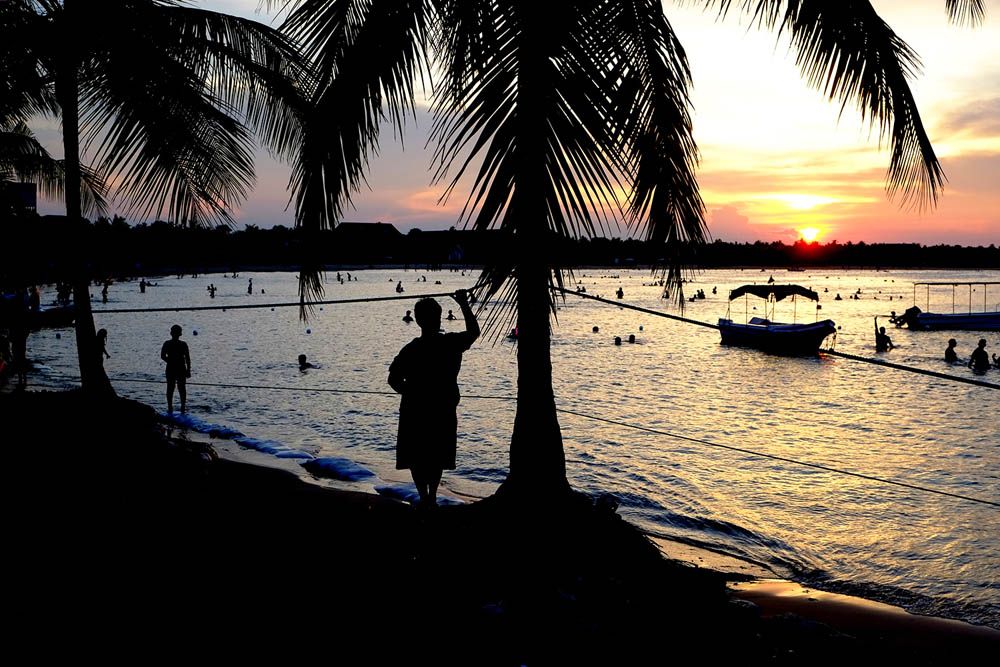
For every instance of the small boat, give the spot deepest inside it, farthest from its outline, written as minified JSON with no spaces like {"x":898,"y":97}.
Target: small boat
{"x":763,"y":333}
{"x":918,"y":320}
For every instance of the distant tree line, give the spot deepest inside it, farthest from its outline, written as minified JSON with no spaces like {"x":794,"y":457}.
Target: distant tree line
{"x":47,"y":248}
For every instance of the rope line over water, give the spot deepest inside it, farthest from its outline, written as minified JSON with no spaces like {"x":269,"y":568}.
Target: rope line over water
{"x":605,"y":420}
{"x":833,"y":353}
{"x":277,"y":304}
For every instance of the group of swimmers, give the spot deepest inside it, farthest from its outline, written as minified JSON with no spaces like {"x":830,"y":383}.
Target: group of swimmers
{"x":979,"y":360}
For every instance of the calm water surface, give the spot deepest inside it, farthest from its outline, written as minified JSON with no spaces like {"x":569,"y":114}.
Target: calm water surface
{"x":930,"y":553}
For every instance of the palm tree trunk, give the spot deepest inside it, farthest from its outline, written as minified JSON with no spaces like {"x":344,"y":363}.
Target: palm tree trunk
{"x":537,"y":462}
{"x":93,"y":379}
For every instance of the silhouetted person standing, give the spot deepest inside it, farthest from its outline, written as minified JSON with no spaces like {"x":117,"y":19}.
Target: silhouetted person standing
{"x":250,"y":286}
{"x":102,"y":343}
{"x":425,"y":373}
{"x":175,"y":353}
{"x":980,"y":361}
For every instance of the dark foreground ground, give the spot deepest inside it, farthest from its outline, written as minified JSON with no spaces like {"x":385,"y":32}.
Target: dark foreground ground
{"x":124,"y":544}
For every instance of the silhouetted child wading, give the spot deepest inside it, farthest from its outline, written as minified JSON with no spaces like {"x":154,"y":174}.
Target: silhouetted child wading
{"x":175,"y":353}
{"x":425,"y":372}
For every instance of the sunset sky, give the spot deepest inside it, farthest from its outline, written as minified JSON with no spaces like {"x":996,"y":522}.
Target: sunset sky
{"x":777,"y":158}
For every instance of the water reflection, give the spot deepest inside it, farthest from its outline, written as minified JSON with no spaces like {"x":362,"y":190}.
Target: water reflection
{"x":675,"y":378}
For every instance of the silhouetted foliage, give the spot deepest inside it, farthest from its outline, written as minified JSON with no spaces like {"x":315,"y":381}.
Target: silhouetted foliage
{"x":117,"y":249}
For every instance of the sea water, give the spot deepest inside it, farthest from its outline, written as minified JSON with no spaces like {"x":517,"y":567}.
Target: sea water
{"x":927,"y":552}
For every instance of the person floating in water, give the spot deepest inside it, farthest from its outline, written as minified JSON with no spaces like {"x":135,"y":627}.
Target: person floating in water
{"x":407,"y":318}
{"x":451,"y":316}
{"x":882,"y":341}
{"x":304,"y":365}
{"x":949,"y":354}
{"x":620,"y":293}
{"x":175,"y":353}
{"x":425,"y":373}
{"x":399,"y":287}
{"x":980,"y":361}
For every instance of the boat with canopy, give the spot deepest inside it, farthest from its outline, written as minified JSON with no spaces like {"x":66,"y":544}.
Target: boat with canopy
{"x":918,"y":320}
{"x":763,"y":333}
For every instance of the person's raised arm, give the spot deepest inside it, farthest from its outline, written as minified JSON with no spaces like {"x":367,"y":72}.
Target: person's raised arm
{"x":471,"y":325}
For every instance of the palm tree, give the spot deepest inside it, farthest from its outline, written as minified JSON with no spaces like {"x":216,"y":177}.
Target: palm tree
{"x":165,"y":95}
{"x":565,"y":105}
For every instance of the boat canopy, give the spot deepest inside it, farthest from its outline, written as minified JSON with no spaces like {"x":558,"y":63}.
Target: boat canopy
{"x":779,"y":292}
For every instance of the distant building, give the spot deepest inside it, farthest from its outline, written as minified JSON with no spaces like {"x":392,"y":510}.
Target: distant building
{"x":368,"y":232}
{"x":367,"y":241}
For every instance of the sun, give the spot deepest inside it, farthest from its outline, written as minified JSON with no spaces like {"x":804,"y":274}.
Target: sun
{"x":808,"y":234}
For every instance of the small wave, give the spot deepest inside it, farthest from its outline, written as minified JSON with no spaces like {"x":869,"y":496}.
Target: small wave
{"x":195,"y":424}
{"x":273,"y":448}
{"x":337,"y":468}
{"x":483,"y":474}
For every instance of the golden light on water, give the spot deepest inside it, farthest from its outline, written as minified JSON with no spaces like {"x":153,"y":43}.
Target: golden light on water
{"x":808,"y":234}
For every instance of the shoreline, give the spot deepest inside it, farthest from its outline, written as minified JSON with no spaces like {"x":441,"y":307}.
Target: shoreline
{"x":125,"y":535}
{"x":756,"y":585}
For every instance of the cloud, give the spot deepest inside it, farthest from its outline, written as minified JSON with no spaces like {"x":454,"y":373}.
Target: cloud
{"x":726,"y":223}
{"x":978,"y":118}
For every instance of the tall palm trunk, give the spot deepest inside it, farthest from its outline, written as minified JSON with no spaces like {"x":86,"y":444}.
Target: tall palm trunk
{"x":537,"y":462}
{"x":93,"y":379}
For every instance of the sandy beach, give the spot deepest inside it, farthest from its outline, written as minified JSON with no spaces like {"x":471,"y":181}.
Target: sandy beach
{"x":124,"y":537}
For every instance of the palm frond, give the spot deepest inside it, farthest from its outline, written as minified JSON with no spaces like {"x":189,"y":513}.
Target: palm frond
{"x":249,"y":67}
{"x":665,"y":195}
{"x":848,"y":52}
{"x":966,"y":11}
{"x":175,"y":150}
{"x":367,"y":54}
{"x":561,"y":107}
{"x":24,"y":159}
{"x":171,"y":96}
{"x":25,"y":88}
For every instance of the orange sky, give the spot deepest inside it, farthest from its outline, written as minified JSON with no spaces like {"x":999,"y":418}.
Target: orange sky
{"x":776,"y":156}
